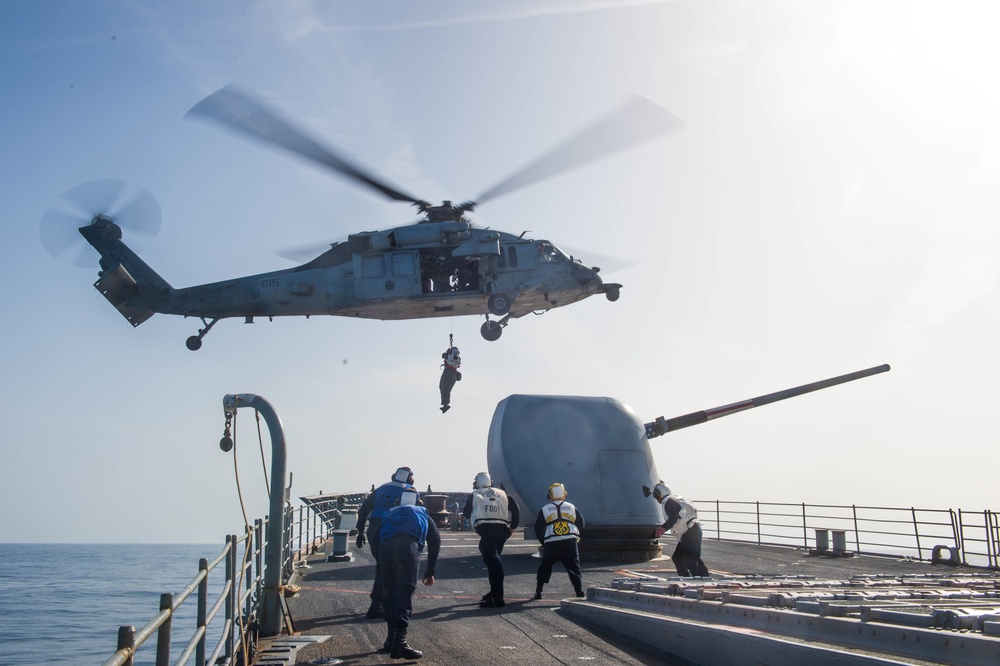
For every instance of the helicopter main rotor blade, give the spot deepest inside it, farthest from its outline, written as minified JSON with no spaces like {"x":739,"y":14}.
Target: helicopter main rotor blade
{"x":606,"y":262}
{"x":236,"y":109}
{"x":638,"y":121}
{"x":303,"y":253}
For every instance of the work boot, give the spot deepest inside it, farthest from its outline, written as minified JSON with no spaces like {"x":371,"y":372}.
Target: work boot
{"x":492,"y":602}
{"x":581,"y":593}
{"x":401,"y":649}
{"x":538,"y":593}
{"x":390,"y":639}
{"x":445,"y":408}
{"x":375,"y":611}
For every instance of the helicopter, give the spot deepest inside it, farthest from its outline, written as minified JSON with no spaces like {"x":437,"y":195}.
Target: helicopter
{"x":441,"y":265}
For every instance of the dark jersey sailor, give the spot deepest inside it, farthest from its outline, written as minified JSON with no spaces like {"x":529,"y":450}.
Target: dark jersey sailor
{"x":372,"y":509}
{"x":405,"y":530}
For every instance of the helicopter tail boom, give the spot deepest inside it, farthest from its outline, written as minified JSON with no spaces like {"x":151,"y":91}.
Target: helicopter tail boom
{"x":126,"y":281}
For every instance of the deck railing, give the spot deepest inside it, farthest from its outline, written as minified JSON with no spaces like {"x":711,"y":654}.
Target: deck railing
{"x":957,"y":536}
{"x":238,"y":601}
{"x":971,"y":537}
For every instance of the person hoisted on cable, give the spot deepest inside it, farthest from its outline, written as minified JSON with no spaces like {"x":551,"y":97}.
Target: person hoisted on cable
{"x":450,"y":374}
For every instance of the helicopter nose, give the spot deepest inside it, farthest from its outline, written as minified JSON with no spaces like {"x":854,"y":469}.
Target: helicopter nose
{"x":587,"y":276}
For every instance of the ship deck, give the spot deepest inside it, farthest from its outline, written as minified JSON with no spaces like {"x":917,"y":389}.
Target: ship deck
{"x":450,"y":628}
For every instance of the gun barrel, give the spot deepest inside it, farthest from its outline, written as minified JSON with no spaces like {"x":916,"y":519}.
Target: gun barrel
{"x":662,"y":426}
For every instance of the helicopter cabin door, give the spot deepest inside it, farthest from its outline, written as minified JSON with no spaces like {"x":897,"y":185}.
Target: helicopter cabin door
{"x":386,"y":275}
{"x":481,"y":253}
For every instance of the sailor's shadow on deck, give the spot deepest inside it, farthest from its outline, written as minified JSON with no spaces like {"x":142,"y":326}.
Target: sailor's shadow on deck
{"x":458,"y":611}
{"x":357,"y":572}
{"x":464,"y":611}
{"x":338,"y":620}
{"x":448,"y":568}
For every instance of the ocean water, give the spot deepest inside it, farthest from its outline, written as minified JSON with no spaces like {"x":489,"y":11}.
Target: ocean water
{"x":63,"y":603}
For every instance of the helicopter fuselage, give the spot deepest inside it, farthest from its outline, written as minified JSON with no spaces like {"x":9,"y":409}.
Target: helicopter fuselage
{"x":428,"y":269}
{"x":440,"y":266}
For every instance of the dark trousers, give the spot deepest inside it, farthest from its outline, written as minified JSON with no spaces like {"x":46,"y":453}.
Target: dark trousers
{"x":564,"y":551}
{"x":374,"y":529}
{"x":399,"y":563}
{"x":447,"y":383}
{"x":687,"y":555}
{"x":491,"y":541}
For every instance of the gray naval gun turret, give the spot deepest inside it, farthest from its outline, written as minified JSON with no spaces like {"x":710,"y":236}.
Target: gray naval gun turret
{"x":599,"y":449}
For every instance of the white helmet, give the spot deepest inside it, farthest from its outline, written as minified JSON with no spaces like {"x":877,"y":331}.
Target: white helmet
{"x":557,"y":491}
{"x":660,"y":491}
{"x":483,"y":480}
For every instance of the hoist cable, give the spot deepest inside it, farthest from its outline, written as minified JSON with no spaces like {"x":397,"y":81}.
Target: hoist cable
{"x":236,"y":472}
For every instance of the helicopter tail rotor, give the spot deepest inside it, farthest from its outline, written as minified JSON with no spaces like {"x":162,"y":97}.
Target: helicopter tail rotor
{"x":130,"y":207}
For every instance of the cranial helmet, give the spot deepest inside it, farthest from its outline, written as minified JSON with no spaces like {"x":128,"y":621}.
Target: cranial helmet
{"x":557,"y":491}
{"x":483,"y":480}
{"x":409,"y":497}
{"x":403,"y":475}
{"x":660,"y":491}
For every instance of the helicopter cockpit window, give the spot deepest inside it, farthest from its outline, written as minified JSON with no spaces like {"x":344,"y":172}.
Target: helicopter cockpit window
{"x":402,"y":264}
{"x":372,"y":267}
{"x":547,"y":253}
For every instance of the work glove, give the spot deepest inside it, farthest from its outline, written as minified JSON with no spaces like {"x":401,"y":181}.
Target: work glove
{"x":458,"y":376}
{"x":360,"y":540}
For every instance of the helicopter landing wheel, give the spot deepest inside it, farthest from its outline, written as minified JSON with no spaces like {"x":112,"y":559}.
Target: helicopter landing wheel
{"x":491,"y":331}
{"x":499,"y":304}
{"x":613,"y":294}
{"x":194,"y":342}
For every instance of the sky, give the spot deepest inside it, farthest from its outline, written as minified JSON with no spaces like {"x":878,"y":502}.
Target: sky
{"x":829,"y":204}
